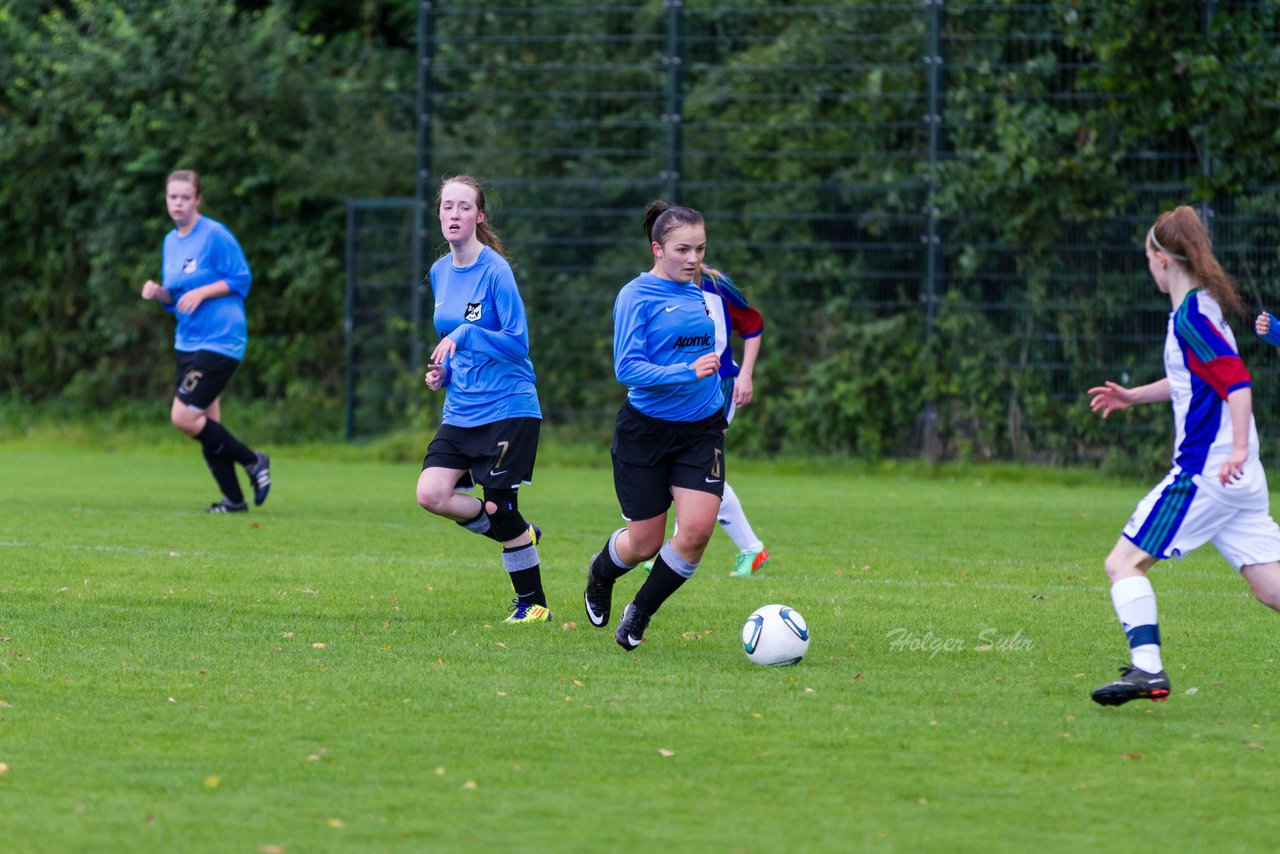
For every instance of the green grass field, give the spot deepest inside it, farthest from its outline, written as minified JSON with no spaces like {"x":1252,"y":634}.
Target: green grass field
{"x":330,"y":672}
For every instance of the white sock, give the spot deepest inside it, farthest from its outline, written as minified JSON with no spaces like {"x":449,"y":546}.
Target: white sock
{"x":735,"y":523}
{"x":1135,"y":603}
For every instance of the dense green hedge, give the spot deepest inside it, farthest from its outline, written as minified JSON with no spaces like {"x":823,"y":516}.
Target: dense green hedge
{"x":290,"y":108}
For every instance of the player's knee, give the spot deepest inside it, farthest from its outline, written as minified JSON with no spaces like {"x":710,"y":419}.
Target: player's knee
{"x":185,"y":419}
{"x":432,"y":497}
{"x":1117,"y":568}
{"x":505,"y":521}
{"x":646,"y":546}
{"x":696,"y":535}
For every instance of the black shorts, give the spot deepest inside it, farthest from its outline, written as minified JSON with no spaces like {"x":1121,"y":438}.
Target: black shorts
{"x":500,"y":455}
{"x":650,"y":456}
{"x":202,"y":376}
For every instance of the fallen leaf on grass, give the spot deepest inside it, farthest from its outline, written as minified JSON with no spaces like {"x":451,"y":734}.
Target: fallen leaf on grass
{"x":662,"y":751}
{"x":440,"y":771}
{"x":500,"y":645}
{"x":213,"y":781}
{"x":336,"y":822}
{"x":567,"y":626}
{"x":286,"y":634}
{"x":4,"y":767}
{"x":1134,"y":756}
{"x":267,"y":848}
{"x":318,"y":645}
{"x":470,"y":784}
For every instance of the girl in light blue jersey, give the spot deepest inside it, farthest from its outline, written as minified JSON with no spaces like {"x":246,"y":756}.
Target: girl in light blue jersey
{"x":489,"y":429}
{"x":206,"y":279}
{"x":1216,"y":490}
{"x":668,"y":442}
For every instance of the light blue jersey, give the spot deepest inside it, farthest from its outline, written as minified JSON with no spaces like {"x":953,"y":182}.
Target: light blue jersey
{"x":490,"y":377}
{"x":660,"y":328}
{"x":209,"y":253}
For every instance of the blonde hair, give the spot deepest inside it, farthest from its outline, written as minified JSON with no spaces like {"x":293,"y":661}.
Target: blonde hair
{"x":1181,"y":236}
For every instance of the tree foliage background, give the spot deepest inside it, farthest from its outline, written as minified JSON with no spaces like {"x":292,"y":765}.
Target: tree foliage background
{"x":1065,"y":128}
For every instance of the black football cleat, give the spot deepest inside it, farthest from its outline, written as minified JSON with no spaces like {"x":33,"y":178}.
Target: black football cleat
{"x":630,"y":633}
{"x":227,"y":506}
{"x":1133,"y":684}
{"x":260,"y":476}
{"x":598,"y":597}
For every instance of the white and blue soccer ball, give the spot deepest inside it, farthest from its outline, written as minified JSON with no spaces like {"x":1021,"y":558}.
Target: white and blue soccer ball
{"x":775,"y":635}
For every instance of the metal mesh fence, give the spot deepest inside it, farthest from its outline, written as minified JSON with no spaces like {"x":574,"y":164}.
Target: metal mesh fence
{"x":818,"y":139}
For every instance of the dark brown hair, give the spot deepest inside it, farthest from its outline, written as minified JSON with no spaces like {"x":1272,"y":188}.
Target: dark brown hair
{"x":660,"y":219}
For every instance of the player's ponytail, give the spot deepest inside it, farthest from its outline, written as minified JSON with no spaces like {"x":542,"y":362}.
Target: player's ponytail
{"x":660,"y":219}
{"x":1181,"y":235}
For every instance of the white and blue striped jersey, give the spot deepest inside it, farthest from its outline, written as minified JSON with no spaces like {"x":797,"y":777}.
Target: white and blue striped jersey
{"x":1203,"y":365}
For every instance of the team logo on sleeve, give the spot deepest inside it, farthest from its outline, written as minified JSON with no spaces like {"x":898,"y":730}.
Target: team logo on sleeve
{"x":473,"y":312}
{"x":189,"y":265}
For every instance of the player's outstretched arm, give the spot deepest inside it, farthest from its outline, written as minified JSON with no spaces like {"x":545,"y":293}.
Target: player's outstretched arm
{"x":1110,"y":397}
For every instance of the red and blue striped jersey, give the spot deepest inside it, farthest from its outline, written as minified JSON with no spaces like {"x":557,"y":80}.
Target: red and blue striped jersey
{"x":1203,"y":365}
{"x":731,"y":313}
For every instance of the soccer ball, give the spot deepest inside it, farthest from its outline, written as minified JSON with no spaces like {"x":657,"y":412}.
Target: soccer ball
{"x":775,"y":635}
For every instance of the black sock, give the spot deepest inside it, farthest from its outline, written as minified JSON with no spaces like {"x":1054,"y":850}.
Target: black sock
{"x":219,"y":438}
{"x":479,"y":524}
{"x":522,"y":566}
{"x":604,"y":567}
{"x":224,"y":474}
{"x":658,"y":587}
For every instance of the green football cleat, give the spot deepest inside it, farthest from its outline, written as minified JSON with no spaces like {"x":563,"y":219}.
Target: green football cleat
{"x":527,"y":612}
{"x":749,"y":562}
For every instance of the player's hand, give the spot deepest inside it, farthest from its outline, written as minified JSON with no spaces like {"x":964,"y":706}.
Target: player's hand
{"x":151,"y":290}
{"x":1263,"y":324}
{"x":706,"y":365}
{"x":1110,"y":397}
{"x":1233,"y":468}
{"x":435,"y":377}
{"x":446,"y":348}
{"x":190,"y":301}
{"x":742,"y":389}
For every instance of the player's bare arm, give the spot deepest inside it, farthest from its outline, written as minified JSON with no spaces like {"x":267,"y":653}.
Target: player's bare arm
{"x":1111,"y":396}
